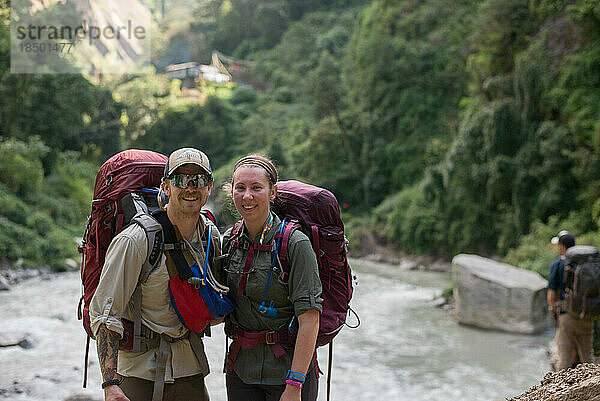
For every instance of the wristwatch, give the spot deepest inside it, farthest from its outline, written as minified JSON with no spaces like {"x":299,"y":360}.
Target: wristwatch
{"x":295,"y":376}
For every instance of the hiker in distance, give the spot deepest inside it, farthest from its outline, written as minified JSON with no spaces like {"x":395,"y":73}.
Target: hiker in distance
{"x":263,"y":362}
{"x":572,"y":333}
{"x":171,"y":364}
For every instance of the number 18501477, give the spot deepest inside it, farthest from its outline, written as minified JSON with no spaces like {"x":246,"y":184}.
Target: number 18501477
{"x":46,"y":47}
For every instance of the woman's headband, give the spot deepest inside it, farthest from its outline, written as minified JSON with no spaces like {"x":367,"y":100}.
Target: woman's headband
{"x":258,"y":161}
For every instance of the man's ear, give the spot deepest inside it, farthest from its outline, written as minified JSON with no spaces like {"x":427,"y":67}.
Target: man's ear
{"x":165,"y":186}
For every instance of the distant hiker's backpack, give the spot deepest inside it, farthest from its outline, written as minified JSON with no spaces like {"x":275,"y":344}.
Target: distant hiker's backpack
{"x":316,"y":212}
{"x":582,"y":282}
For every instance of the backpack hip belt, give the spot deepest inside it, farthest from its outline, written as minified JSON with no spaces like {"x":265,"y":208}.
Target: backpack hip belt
{"x":279,"y":340}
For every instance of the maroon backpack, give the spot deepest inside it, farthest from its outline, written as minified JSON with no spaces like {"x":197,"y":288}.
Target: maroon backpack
{"x":124,"y":186}
{"x":316,"y":211}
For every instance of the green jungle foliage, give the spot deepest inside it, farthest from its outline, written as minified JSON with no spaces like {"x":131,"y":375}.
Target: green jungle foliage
{"x":442,"y":129}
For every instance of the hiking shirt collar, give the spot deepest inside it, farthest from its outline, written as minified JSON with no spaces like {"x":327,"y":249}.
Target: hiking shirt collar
{"x":269,"y":235}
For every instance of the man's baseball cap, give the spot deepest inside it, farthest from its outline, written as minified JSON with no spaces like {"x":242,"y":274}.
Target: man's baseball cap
{"x":564,"y":237}
{"x":186,"y":156}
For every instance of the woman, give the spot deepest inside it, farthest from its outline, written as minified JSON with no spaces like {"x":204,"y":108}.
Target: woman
{"x":261,"y":363}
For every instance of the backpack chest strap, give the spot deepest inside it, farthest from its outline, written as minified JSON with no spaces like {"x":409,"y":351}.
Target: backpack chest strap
{"x":181,"y":246}
{"x":252,"y":248}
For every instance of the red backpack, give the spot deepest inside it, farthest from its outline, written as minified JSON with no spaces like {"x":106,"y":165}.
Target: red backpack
{"x":123,"y":188}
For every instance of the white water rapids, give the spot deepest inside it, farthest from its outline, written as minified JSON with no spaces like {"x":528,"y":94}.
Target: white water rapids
{"x":405,"y":349}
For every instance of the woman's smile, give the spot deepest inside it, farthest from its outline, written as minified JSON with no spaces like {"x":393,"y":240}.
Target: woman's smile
{"x":252,"y":193}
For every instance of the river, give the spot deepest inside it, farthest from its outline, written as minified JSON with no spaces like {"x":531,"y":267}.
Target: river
{"x":406,"y":348}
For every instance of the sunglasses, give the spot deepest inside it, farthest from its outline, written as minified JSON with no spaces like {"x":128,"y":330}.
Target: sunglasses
{"x":184,"y":180}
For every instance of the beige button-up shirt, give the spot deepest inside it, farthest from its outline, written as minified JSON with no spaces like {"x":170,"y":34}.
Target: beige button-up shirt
{"x":124,"y":258}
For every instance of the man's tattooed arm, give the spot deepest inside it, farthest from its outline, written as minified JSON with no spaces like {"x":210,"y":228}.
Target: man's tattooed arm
{"x":107,"y":342}
{"x":108,"y":349}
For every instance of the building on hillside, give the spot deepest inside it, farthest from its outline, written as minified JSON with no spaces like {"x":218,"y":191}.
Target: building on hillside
{"x":189,"y":73}
{"x":241,"y":71}
{"x":186,"y":72}
{"x":214,"y":74}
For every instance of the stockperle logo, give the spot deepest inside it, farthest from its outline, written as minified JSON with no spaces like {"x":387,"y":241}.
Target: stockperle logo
{"x":79,"y":36}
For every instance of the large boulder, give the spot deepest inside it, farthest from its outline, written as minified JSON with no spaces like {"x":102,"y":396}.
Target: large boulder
{"x":494,"y":295}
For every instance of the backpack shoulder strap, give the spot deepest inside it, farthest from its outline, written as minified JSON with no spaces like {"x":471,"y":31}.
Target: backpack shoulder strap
{"x":154,"y":235}
{"x":173,"y":247}
{"x":208,"y":215}
{"x":215,"y":234}
{"x":237,"y":228}
{"x":282,"y":243}
{"x":282,"y":246}
{"x":236,"y":232}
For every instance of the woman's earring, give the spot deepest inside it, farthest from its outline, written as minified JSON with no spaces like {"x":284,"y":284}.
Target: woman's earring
{"x":163,"y":199}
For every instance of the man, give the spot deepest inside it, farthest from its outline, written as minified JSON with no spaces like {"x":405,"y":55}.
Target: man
{"x":138,"y":375}
{"x":572,"y":334}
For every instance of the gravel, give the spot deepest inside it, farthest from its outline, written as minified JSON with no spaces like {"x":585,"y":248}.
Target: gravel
{"x":579,"y":384}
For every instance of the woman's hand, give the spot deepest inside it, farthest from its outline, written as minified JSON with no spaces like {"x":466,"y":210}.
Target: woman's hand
{"x":291,"y":393}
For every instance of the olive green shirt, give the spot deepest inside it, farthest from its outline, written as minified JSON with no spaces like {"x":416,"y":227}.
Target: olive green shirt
{"x":302,"y":293}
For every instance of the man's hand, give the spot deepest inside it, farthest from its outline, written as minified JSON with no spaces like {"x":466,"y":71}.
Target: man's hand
{"x":114,"y":393}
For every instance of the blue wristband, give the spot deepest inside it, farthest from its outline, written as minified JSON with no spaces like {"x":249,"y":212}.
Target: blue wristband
{"x":295,"y":376}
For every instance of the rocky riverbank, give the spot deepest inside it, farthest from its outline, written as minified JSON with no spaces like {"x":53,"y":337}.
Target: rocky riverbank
{"x":579,"y":384}
{"x":10,"y":277}
{"x":374,"y":249}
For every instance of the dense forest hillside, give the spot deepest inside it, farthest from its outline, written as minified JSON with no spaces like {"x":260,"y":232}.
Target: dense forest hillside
{"x":471,"y":126}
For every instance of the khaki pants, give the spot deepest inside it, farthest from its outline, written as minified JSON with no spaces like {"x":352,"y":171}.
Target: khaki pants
{"x":183,"y":389}
{"x":573,"y":334}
